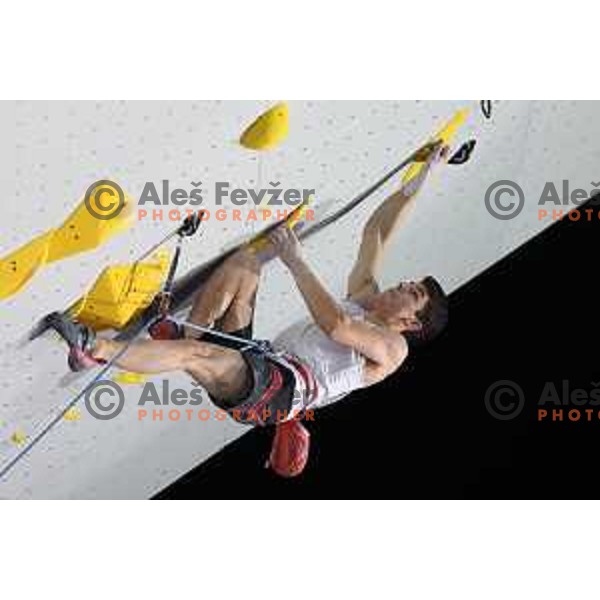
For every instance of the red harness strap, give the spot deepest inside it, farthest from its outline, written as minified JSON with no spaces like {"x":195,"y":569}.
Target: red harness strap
{"x":258,"y":410}
{"x":255,"y":412}
{"x":310,"y":383}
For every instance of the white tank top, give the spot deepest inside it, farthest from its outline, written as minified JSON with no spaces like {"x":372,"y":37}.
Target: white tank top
{"x":338,"y":369}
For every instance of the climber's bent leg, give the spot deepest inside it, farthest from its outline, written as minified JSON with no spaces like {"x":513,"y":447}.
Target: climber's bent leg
{"x":249,"y":385}
{"x":221,"y":371}
{"x":243,"y":379}
{"x":227,"y":299}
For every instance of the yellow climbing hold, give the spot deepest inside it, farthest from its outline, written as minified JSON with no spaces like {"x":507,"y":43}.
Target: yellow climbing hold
{"x":445,"y":135}
{"x":260,"y":242}
{"x":122,"y":292}
{"x":129,"y":378}
{"x":105,"y":211}
{"x":18,"y":268}
{"x":18,"y":438}
{"x":73,"y":414}
{"x":269,"y":130}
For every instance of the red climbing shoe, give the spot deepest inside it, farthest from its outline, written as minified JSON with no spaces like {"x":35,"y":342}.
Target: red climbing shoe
{"x":80,"y":339}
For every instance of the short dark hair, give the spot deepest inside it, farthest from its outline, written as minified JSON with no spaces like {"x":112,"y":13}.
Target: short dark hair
{"x":433,"y":316}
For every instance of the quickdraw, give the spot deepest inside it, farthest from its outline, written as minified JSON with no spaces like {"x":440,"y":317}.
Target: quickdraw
{"x":486,"y":108}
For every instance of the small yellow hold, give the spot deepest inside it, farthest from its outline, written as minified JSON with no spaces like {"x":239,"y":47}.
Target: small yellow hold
{"x":19,"y":266}
{"x":18,"y":438}
{"x":268,"y":130}
{"x":294,"y":221}
{"x":444,"y":135}
{"x":73,"y":414}
{"x":129,"y":378}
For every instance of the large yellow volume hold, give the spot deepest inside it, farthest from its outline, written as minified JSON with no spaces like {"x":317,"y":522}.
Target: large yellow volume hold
{"x":19,"y":266}
{"x":122,"y":292}
{"x":445,"y":135}
{"x":105,"y":211}
{"x":269,"y":130}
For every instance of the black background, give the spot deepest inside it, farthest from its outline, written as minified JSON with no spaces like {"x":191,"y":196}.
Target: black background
{"x":425,"y":432}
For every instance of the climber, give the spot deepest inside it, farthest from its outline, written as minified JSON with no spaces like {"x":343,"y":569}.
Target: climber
{"x":343,"y":346}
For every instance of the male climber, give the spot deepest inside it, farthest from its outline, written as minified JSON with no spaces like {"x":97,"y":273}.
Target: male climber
{"x":344,"y":344}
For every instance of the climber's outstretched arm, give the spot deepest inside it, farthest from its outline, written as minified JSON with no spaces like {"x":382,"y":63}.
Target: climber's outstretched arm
{"x":383,"y":224}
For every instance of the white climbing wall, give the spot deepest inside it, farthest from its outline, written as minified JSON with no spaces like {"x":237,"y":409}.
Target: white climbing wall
{"x":51,"y":151}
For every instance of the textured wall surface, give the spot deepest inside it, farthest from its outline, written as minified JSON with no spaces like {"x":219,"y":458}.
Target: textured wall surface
{"x":51,"y":152}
